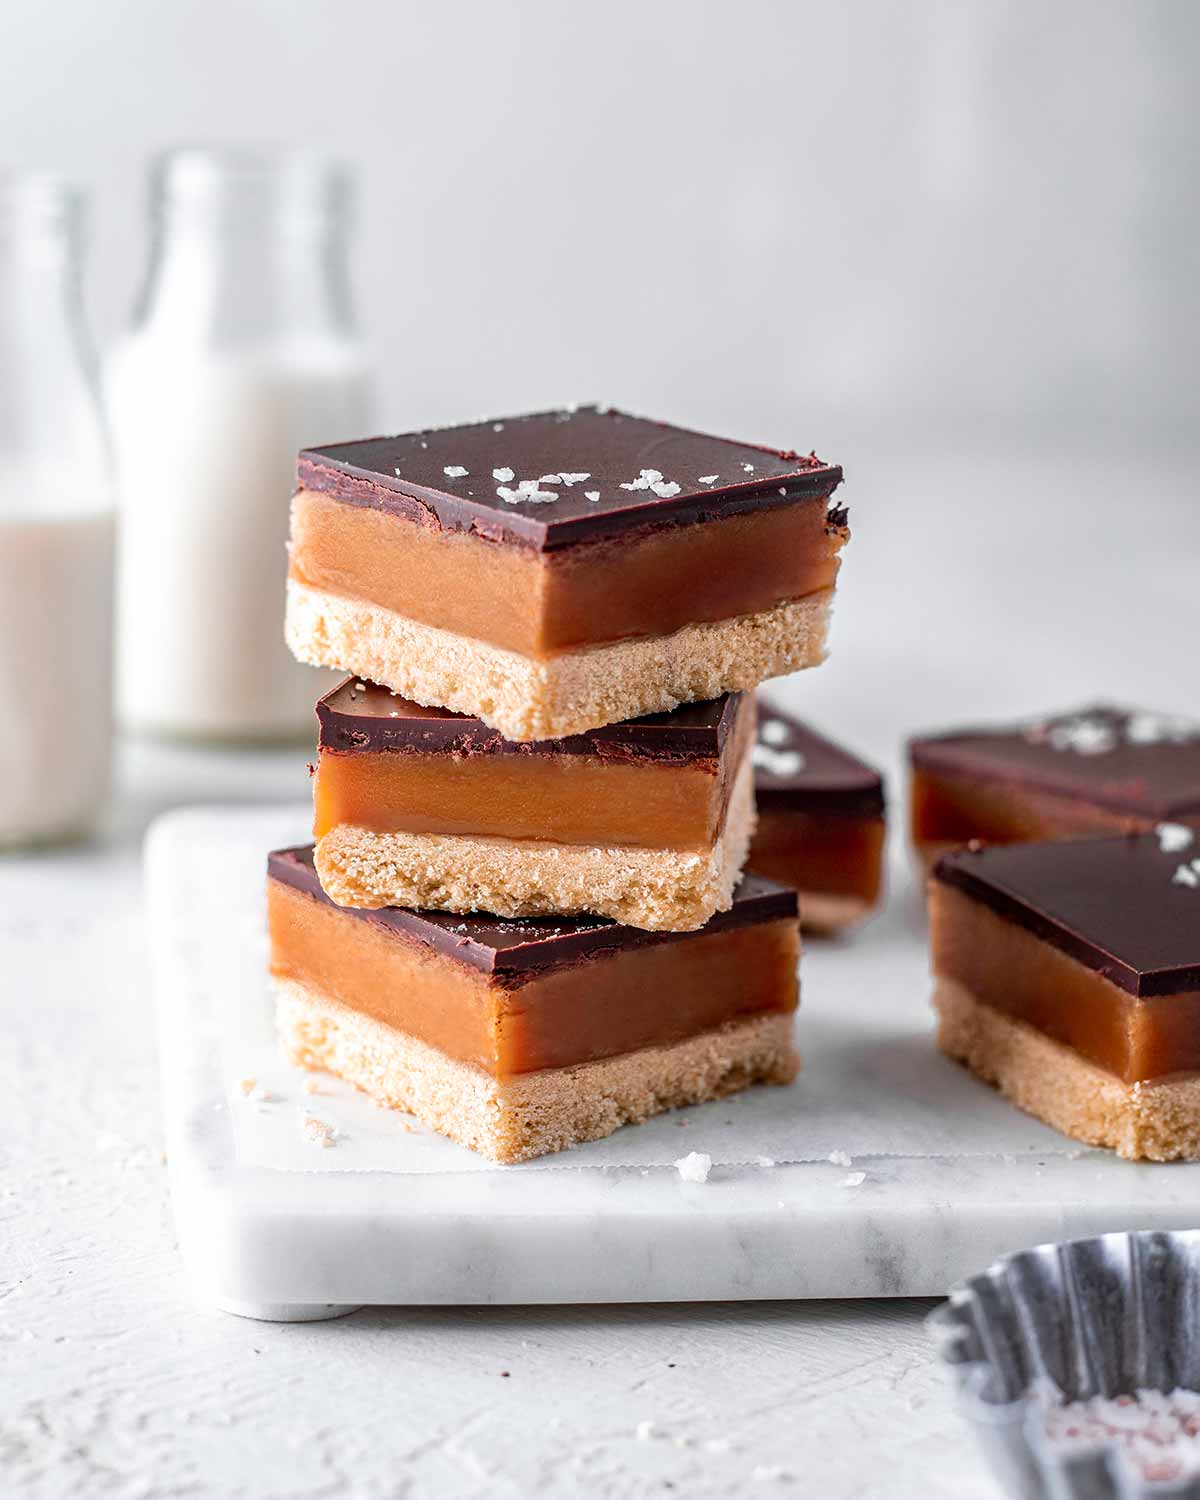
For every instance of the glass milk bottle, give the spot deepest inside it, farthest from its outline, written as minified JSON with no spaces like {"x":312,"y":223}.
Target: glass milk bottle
{"x":242,"y":352}
{"x":56,"y":527}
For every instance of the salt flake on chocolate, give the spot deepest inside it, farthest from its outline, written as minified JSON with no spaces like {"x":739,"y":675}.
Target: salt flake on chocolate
{"x":778,"y":762}
{"x":1173,"y":838}
{"x":665,"y":489}
{"x":527,"y":489}
{"x":1082,"y":735}
{"x":592,"y":495}
{"x":503,"y":476}
{"x":455,"y":471}
{"x":1188,"y":875}
{"x":773,"y":732}
{"x":1159,"y":729}
{"x":708,"y":479}
{"x":644,"y":480}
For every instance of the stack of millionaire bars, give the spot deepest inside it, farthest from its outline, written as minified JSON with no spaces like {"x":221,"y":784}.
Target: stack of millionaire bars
{"x":1064,"y":907}
{"x":525,"y":918}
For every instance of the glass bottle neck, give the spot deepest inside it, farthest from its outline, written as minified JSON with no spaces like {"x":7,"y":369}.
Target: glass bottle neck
{"x":51,"y":431}
{"x":248,"y":250}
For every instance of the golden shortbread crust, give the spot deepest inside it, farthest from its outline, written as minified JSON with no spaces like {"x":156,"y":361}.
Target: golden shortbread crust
{"x":567,"y":694}
{"x":1157,"y":1121}
{"x":673,"y":890}
{"x":533,"y":1113}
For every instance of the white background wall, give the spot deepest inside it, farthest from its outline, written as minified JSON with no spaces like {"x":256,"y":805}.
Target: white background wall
{"x":951,"y":243}
{"x":814,"y":223}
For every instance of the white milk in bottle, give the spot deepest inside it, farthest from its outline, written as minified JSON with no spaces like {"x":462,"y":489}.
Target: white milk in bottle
{"x":243,"y":353}
{"x":56,"y":529}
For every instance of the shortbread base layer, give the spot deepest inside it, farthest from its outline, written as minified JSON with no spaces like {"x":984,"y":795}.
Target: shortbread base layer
{"x":672,"y":890}
{"x":827,"y":915}
{"x":534,"y":1113}
{"x":567,"y":694}
{"x":1156,"y":1121}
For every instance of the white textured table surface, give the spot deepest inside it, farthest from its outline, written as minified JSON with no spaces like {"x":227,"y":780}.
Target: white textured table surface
{"x":112,"y":1383}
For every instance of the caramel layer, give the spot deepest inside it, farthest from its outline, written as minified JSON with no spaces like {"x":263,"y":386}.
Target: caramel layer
{"x":954,"y":810}
{"x":541,"y":604}
{"x":833,"y":855}
{"x":605,"y":1005}
{"x":1008,"y":968}
{"x":568,"y":800}
{"x":563,"y":799}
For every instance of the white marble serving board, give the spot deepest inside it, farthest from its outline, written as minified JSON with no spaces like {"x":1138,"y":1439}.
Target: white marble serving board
{"x":272,"y":1224}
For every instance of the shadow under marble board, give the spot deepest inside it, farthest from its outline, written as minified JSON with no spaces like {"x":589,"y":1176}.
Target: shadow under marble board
{"x":942,"y":1177}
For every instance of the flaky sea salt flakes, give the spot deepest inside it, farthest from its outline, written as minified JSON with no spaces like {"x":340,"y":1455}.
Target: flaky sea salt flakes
{"x":708,"y":479}
{"x":497,"y":426}
{"x":1082,"y":734}
{"x":694,"y":1167}
{"x":550,"y":479}
{"x":773,"y":732}
{"x":528,"y":489}
{"x":592,"y":495}
{"x":841,"y":1158}
{"x":1188,"y":875}
{"x":1157,"y":729}
{"x":665,"y":489}
{"x":749,"y":468}
{"x":855,"y":1179}
{"x":570,"y":479}
{"x":504,"y":476}
{"x":455,"y":471}
{"x":777,"y":762}
{"x":1173,"y":838}
{"x":644,"y":481}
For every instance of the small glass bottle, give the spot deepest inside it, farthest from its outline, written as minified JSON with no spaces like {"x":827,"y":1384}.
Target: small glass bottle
{"x":243,"y":351}
{"x":56,"y":527}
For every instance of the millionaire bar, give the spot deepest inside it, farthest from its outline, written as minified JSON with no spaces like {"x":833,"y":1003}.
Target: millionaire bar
{"x":821,"y":821}
{"x":517,"y":1038}
{"x":646,"y":822}
{"x":1083,"y":774}
{"x":554,"y":573}
{"x":1069,"y":975}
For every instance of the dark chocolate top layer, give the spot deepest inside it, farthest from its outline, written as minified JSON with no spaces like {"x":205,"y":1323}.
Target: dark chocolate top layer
{"x":360,"y":716}
{"x":512,"y":951}
{"x":1127,"y":907}
{"x":1123,"y":759}
{"x":795,"y":767}
{"x":559,"y":477}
